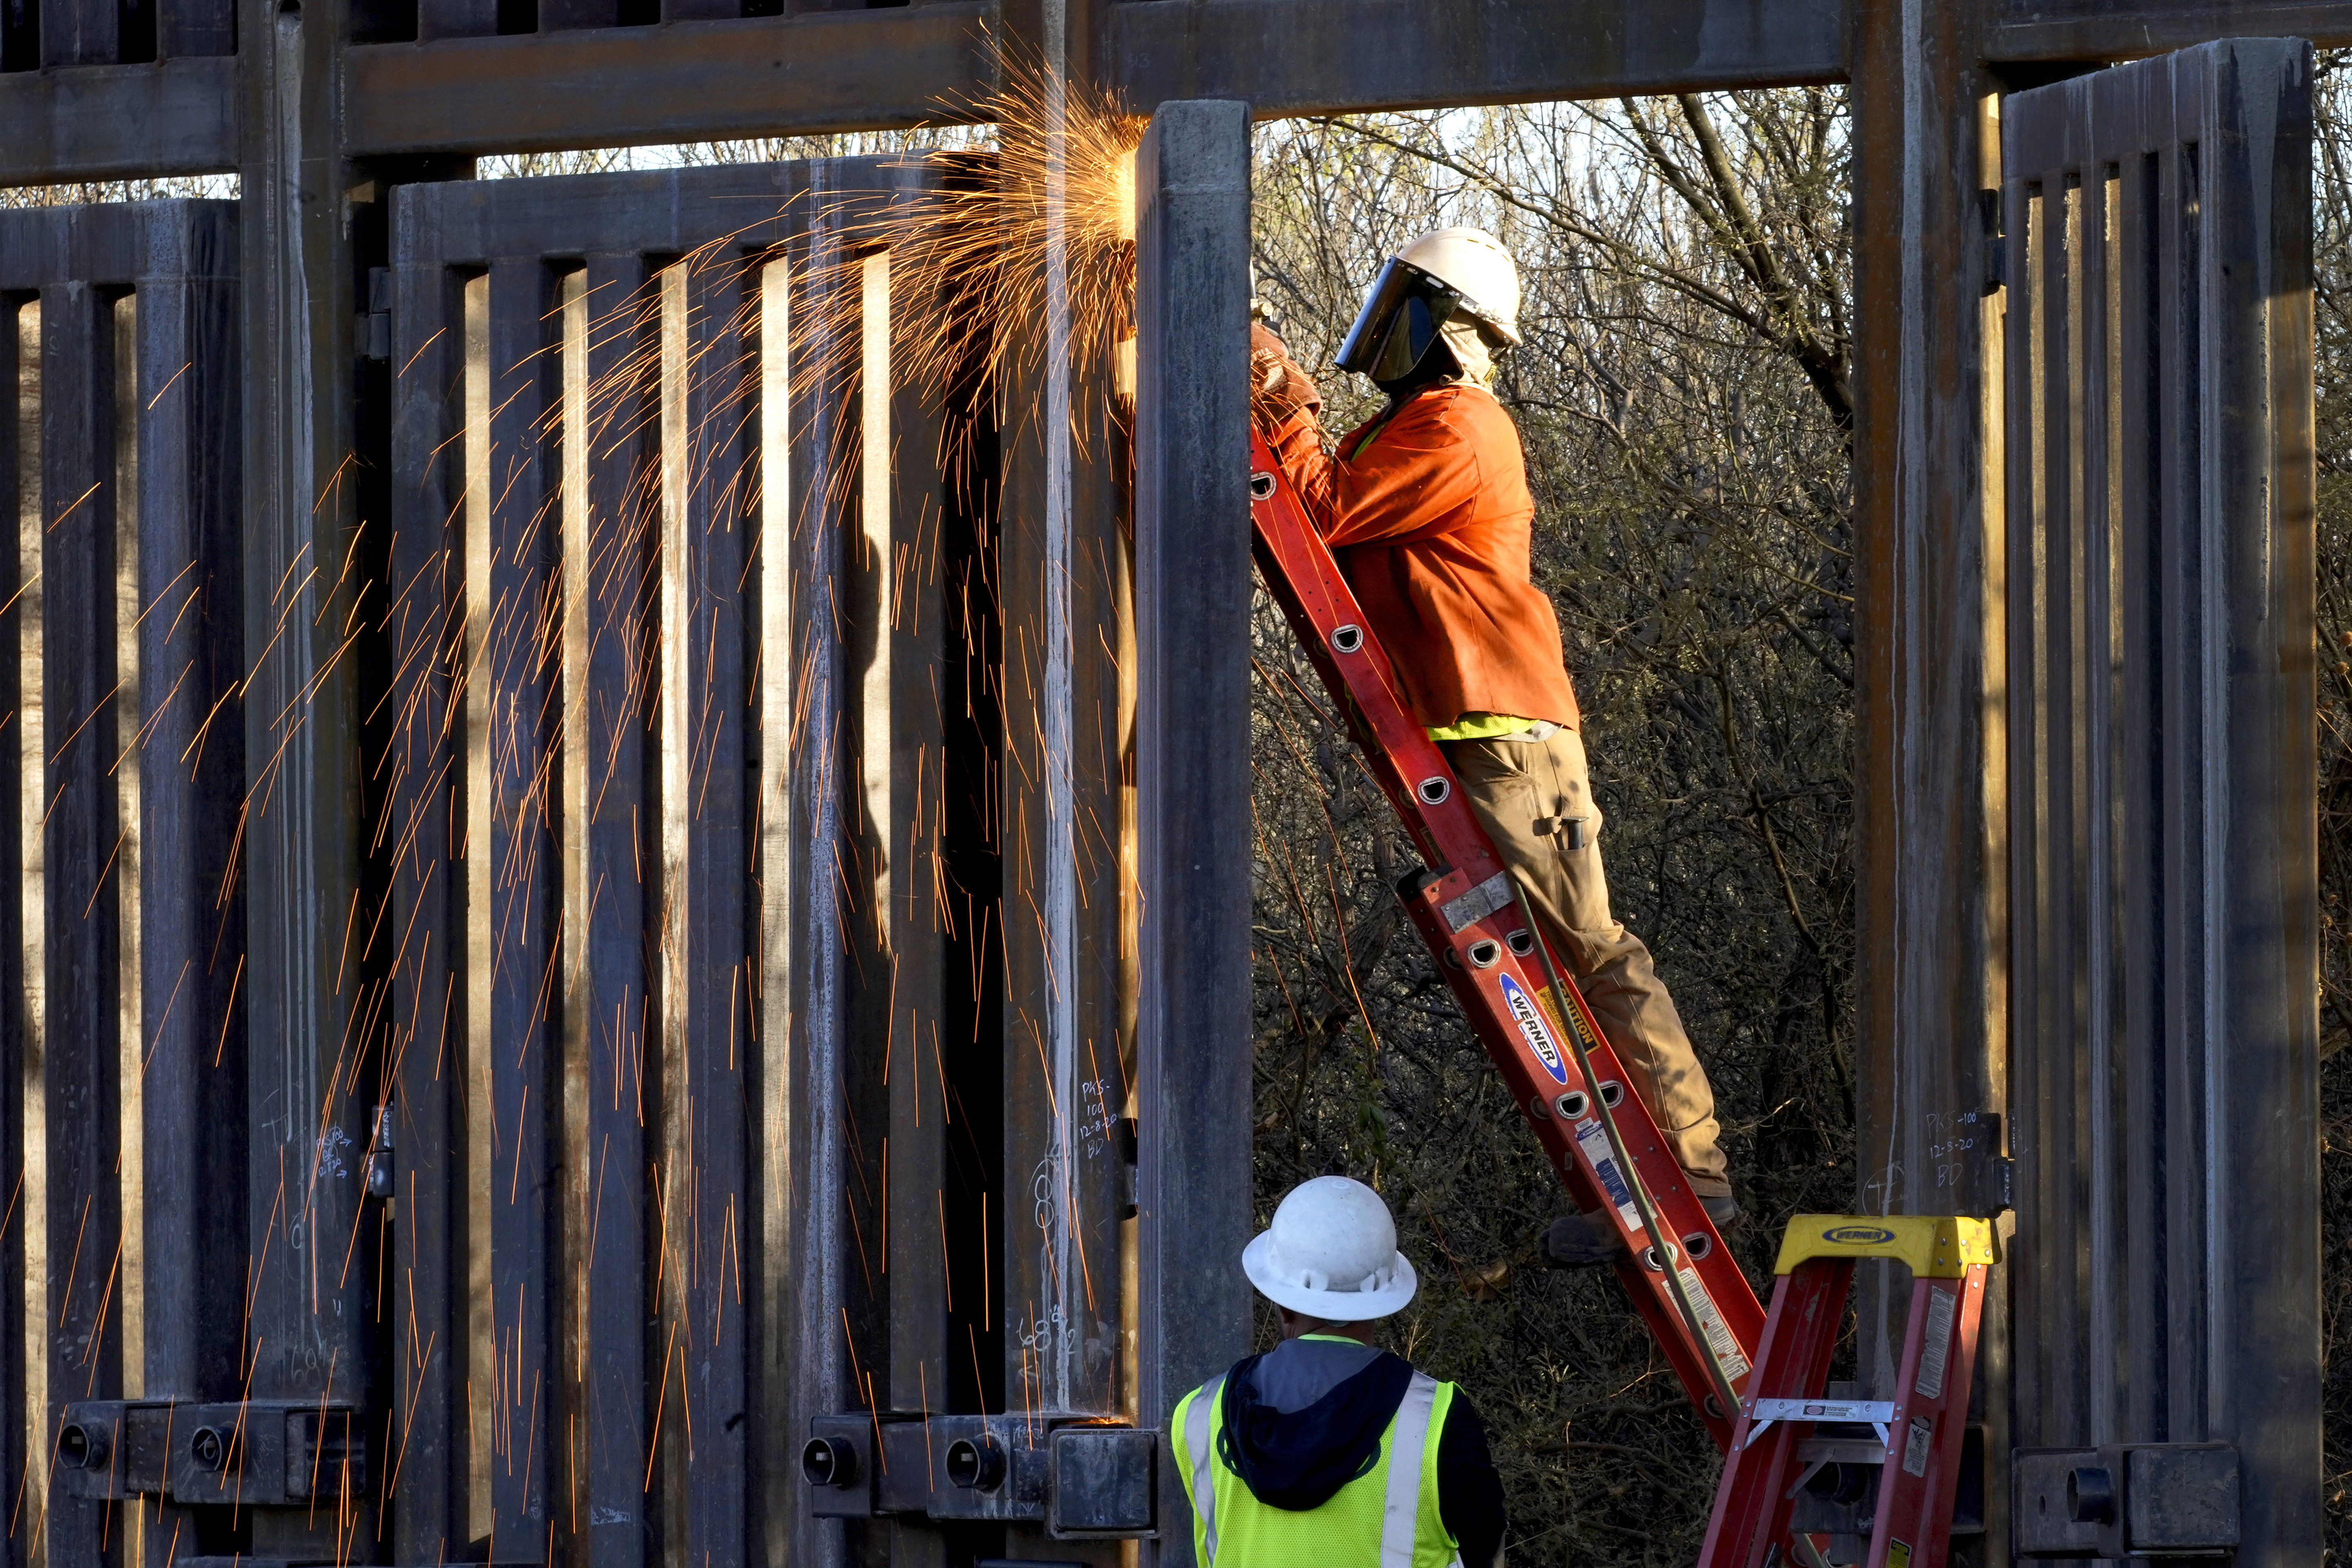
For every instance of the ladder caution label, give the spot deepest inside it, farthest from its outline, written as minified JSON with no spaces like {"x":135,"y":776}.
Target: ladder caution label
{"x":1551,"y":1017}
{"x":1915,"y":1447}
{"x":1938,"y":1348}
{"x":1898,"y":1555}
{"x":1539,"y":1038}
{"x":1593,"y":1139}
{"x":1719,"y":1333}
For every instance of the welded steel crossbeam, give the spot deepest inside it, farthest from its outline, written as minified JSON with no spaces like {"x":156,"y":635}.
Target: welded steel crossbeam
{"x":467,"y":91}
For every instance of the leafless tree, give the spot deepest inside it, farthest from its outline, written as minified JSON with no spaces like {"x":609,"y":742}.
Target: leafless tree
{"x":1685,"y":404}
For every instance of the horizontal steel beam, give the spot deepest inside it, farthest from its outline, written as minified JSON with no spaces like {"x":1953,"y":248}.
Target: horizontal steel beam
{"x":2094,"y":30}
{"x":833,"y":71}
{"x":681,"y":82}
{"x":1306,"y":57}
{"x":878,"y":70}
{"x":118,"y":122}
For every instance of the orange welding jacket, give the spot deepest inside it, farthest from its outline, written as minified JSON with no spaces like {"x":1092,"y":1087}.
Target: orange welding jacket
{"x":1428,"y":516}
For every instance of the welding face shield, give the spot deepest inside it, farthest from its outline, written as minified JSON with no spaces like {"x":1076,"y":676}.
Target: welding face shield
{"x":1396,"y":333}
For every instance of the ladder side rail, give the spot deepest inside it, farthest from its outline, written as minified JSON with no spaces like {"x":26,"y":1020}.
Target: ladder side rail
{"x":1800,"y":1334}
{"x":1304,"y":580}
{"x":1578,"y":1161}
{"x":1920,"y":1479}
{"x":1288,"y":583}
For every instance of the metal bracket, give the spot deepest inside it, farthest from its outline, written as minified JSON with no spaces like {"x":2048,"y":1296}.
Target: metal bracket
{"x":107,"y":1449}
{"x":1996,"y":244}
{"x":1079,"y":1476}
{"x":1103,"y":1483}
{"x":1972,"y":1174}
{"x":259,"y":1454}
{"x":1128,"y":1137}
{"x":2125,"y":1499}
{"x":371,"y":329}
{"x":988,"y":1467}
{"x":266,"y":1454}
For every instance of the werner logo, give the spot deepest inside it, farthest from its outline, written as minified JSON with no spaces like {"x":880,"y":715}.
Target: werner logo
{"x":1858,"y":1235}
{"x":1531,"y":1024}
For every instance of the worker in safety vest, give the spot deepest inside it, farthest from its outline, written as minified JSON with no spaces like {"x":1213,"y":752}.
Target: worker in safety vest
{"x":1327,"y":1451}
{"x":1426,"y":508}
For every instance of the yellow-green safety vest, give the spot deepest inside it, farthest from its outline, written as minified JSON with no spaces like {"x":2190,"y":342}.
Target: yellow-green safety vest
{"x":1387,"y":1517}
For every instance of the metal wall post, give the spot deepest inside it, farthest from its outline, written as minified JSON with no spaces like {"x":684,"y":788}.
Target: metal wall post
{"x":301,"y":838}
{"x":1193,"y":614}
{"x":1931,"y":1004}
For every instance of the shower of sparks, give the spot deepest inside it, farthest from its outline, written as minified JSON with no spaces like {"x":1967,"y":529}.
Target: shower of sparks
{"x":990,"y":239}
{"x":560,"y":658}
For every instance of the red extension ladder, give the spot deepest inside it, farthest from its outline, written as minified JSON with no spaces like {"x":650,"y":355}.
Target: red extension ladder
{"x":1469,"y":911}
{"x":1757,"y":1382}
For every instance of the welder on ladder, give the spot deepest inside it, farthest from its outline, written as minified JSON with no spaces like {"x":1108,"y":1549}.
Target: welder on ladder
{"x":1426,"y":508}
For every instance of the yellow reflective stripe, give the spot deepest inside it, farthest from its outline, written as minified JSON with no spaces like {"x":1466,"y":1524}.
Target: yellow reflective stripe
{"x":1372,"y":436}
{"x":1408,"y":1436}
{"x":1198,"y":1450}
{"x":1480,"y":727}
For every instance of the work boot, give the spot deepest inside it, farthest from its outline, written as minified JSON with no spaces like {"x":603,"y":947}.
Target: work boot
{"x":1581,"y":1241}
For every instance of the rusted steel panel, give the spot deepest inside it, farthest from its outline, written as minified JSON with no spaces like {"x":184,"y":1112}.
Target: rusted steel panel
{"x":440,"y":19}
{"x":427,"y":1467}
{"x":1312,"y":57}
{"x":516,"y":665}
{"x":80,"y":32}
{"x":2132,"y":29}
{"x":898,"y":570}
{"x":1065,"y":591}
{"x":708,"y":974}
{"x":677,"y":83}
{"x":184,"y":28}
{"x":609,"y":549}
{"x":190,"y":771}
{"x":820,"y":1332}
{"x":118,"y":123}
{"x":731,"y":640}
{"x":2161,"y":587}
{"x":125,"y":936}
{"x":566,"y":16}
{"x":79,"y":1051}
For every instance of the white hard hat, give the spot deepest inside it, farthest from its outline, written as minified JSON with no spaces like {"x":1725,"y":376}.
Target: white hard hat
{"x":1474,"y":265}
{"x":1332,"y":1253}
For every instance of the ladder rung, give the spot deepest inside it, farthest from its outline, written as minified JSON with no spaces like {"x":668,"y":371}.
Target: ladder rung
{"x":1877,"y":1412}
{"x":1840,"y":1451}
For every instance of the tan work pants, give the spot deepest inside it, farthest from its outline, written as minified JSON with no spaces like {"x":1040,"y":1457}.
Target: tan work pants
{"x":1535,"y":797}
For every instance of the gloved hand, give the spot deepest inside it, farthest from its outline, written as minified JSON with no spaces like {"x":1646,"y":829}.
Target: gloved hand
{"x":1280,"y":389}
